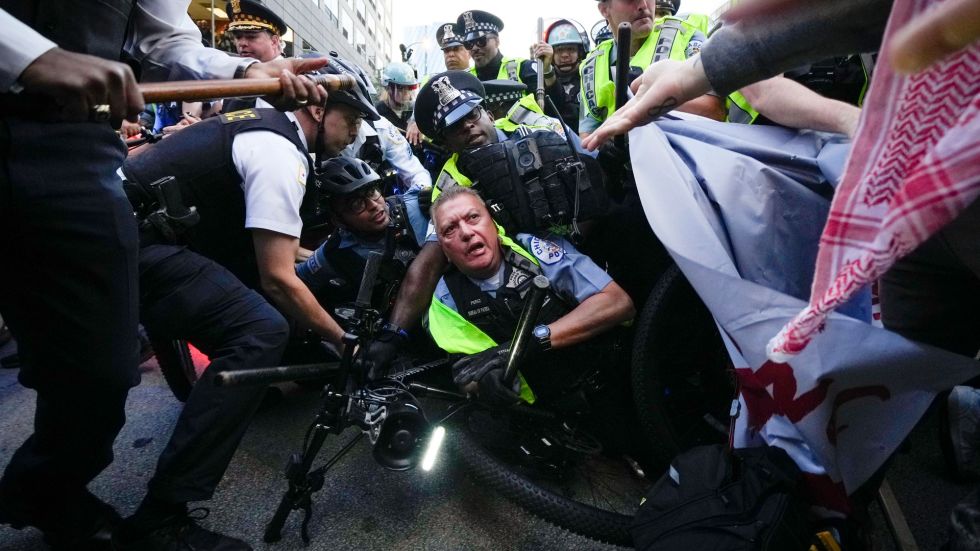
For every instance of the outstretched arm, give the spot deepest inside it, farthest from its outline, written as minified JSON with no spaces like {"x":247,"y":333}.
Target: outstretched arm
{"x":276,"y":256}
{"x":791,"y":104}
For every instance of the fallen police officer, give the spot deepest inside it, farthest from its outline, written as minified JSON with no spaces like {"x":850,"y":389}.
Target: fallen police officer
{"x":477,"y":304}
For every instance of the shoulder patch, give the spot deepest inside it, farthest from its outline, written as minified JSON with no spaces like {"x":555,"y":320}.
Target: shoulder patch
{"x":548,"y":252}
{"x":242,"y":115}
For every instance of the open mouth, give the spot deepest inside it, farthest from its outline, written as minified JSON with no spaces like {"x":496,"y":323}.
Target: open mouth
{"x":475,"y":249}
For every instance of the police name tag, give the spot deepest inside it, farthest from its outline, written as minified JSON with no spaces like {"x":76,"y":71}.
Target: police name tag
{"x":546,"y":251}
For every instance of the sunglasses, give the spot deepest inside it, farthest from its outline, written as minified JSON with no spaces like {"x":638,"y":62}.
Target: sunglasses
{"x":478,"y":43}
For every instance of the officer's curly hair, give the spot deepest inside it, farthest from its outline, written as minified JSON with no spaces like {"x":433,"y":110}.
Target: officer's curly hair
{"x":450,"y":193}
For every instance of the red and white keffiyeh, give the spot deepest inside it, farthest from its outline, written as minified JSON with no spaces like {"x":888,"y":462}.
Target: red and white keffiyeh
{"x":914,"y":166}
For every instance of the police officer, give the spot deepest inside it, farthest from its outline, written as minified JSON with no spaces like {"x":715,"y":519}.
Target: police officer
{"x":454,"y":53}
{"x":249,"y":174}
{"x":654,"y":37}
{"x":398,"y":97}
{"x":478,"y":301}
{"x":258,"y":34}
{"x":481,"y":38}
{"x":257,"y":29}
{"x":366,"y":222}
{"x":571,"y":45}
{"x":450,"y":109}
{"x":62,"y":195}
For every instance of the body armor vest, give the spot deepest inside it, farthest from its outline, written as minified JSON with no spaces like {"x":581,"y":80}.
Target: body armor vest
{"x":200,"y":158}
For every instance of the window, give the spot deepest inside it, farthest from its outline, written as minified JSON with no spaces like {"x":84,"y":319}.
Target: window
{"x":347,"y":24}
{"x":332,"y":7}
{"x":360,"y":10}
{"x":370,"y":27}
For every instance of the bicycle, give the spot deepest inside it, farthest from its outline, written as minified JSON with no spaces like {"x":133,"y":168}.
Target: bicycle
{"x":545,"y":459}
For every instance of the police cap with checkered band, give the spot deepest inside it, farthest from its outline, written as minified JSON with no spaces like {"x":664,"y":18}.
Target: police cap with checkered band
{"x":476,"y":23}
{"x":446,"y":98}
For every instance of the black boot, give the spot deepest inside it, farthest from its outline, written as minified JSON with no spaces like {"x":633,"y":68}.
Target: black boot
{"x":158,"y":526}
{"x":82,"y":522}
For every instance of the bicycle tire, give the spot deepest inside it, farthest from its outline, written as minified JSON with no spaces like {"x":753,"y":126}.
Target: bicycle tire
{"x":564,"y":512}
{"x":177,"y":366}
{"x":682,"y":379}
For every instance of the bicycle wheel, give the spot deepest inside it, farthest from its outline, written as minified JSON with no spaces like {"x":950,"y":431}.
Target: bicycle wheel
{"x":553,"y":471}
{"x":683,"y":383}
{"x":178,"y":366}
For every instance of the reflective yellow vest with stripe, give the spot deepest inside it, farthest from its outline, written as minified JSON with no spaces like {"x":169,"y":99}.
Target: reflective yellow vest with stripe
{"x":739,"y":109}
{"x":510,"y":69}
{"x":598,"y":93}
{"x":454,"y":334}
{"x":700,"y":21}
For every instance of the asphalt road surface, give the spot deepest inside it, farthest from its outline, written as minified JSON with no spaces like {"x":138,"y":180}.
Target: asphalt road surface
{"x":364,"y":506}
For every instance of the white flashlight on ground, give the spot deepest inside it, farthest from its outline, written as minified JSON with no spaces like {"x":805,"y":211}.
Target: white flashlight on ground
{"x":432,"y":450}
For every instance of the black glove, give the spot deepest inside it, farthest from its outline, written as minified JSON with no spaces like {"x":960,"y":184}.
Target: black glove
{"x":376,"y":356}
{"x":495,"y":392}
{"x":473,"y":367}
{"x":615,"y":164}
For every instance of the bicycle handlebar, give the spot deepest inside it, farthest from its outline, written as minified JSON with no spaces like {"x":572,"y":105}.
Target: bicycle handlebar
{"x":269,"y":375}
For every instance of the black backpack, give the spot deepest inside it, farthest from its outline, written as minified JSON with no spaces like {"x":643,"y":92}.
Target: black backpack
{"x":712,"y":499}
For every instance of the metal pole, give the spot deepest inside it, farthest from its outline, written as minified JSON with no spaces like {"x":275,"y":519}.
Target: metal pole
{"x":213,"y":43}
{"x":540,"y":90}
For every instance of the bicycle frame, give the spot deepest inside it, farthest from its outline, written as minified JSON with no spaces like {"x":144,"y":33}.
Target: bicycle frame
{"x":365,"y":405}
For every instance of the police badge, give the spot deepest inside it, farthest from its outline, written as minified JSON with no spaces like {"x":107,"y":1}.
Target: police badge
{"x":446,"y":91}
{"x":468,"y":19}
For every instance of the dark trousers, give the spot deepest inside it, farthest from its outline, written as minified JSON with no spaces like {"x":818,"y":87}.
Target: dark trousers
{"x":68,"y":249}
{"x":933,"y":294}
{"x":184,"y":295}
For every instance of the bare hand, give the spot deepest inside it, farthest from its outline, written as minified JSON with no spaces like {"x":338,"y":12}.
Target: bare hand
{"x":79,"y":82}
{"x":413,"y":134}
{"x":935,"y":35}
{"x":661,"y":88}
{"x":545,"y":52}
{"x":130,"y":130}
{"x":297,"y":91}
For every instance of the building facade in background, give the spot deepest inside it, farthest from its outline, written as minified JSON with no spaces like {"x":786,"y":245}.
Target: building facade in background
{"x":358,"y":30}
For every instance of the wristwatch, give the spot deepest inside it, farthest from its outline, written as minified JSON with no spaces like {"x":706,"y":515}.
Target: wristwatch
{"x":542,"y":333}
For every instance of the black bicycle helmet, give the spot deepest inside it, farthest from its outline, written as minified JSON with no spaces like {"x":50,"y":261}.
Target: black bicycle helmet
{"x":345,"y":175}
{"x":359,"y":97}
